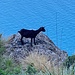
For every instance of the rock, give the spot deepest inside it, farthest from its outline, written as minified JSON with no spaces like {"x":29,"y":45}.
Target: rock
{"x":44,"y":46}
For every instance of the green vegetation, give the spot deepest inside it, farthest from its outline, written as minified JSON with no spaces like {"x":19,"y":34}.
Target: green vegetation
{"x":69,"y":61}
{"x":8,"y":67}
{"x":69,"y":64}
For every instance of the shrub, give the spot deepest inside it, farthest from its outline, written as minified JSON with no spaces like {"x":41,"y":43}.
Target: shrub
{"x":69,"y":61}
{"x":31,"y":69}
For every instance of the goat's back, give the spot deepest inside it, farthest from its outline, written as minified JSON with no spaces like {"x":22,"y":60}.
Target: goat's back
{"x":27,"y":33}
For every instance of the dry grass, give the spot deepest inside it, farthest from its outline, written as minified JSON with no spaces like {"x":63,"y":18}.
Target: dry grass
{"x":40,"y":63}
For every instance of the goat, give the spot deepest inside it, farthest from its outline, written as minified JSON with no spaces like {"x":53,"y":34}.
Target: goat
{"x":30,"y":34}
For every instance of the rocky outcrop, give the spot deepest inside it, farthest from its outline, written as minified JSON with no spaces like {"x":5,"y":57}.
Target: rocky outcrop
{"x":44,"y":46}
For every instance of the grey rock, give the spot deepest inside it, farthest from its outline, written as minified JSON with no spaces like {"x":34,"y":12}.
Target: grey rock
{"x":44,"y":46}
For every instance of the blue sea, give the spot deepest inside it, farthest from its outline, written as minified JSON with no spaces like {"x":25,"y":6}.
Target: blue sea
{"x":58,"y":18}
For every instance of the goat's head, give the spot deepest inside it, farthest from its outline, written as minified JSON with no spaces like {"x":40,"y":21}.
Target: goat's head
{"x":42,"y":29}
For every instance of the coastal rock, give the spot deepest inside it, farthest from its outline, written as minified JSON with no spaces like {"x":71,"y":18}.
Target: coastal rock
{"x":44,"y":46}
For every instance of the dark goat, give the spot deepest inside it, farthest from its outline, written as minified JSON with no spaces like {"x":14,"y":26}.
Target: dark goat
{"x":30,"y":34}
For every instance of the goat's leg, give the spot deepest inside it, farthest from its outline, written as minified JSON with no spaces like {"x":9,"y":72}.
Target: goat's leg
{"x":22,"y":41}
{"x":31,"y":41}
{"x":34,"y":41}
